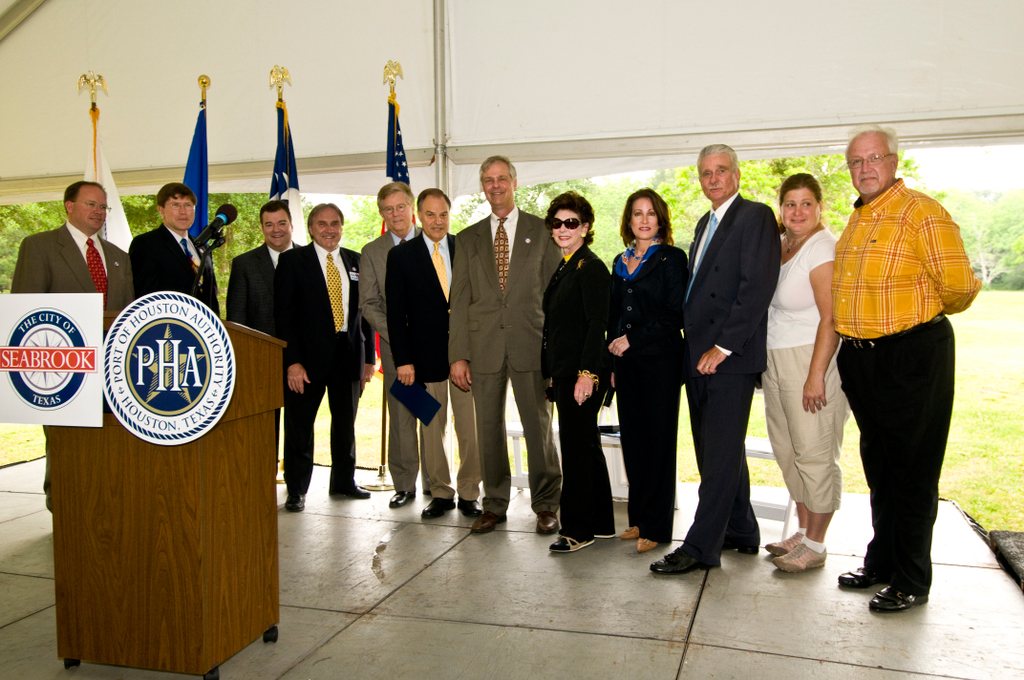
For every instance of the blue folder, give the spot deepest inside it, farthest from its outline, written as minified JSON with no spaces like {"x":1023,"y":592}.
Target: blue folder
{"x":416,"y":398}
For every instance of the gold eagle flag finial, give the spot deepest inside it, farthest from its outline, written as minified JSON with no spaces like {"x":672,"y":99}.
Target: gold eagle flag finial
{"x":92,"y":80}
{"x":278,"y":77}
{"x":392,"y":70}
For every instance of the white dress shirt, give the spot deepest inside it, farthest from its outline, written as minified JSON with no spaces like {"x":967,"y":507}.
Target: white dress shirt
{"x":321,"y":256}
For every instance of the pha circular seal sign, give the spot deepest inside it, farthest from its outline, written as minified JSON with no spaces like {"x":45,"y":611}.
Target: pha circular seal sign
{"x":169,"y":368}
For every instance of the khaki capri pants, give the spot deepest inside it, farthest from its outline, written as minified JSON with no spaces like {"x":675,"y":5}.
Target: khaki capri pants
{"x":807,"y":445}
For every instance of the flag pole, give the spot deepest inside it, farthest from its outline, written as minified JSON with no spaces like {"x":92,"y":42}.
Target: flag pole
{"x":392,"y":70}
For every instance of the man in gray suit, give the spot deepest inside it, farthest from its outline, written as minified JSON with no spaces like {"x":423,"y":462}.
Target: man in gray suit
{"x":67,"y":260}
{"x":251,"y":286}
{"x":395,"y":203}
{"x":505,"y":263}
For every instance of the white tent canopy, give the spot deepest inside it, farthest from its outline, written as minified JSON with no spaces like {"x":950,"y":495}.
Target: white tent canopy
{"x":567,"y":89}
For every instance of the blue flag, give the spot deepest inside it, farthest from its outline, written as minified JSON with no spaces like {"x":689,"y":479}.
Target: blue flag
{"x":284,"y":185}
{"x":197,"y":174}
{"x":398,"y":168}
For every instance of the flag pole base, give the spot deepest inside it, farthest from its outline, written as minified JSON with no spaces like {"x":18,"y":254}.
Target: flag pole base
{"x":381,"y":483}
{"x":280,"y":471}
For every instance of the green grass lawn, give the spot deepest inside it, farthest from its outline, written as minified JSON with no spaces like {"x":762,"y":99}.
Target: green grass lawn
{"x":984,"y":467}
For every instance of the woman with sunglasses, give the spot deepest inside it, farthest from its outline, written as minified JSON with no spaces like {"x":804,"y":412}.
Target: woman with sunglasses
{"x":645,"y":318}
{"x":575,"y":360}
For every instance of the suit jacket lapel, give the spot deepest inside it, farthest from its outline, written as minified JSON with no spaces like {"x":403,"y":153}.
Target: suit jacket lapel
{"x":73,"y":258}
{"x":485,"y":247}
{"x":526,"y":239}
{"x":719,"y":237}
{"x":353,"y":288}
{"x":265,"y":265}
{"x":649,"y":266}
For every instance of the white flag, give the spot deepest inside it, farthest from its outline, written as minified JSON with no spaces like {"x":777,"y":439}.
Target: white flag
{"x":96,"y":170}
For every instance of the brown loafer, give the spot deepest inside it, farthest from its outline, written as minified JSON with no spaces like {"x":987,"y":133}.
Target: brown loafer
{"x":547,"y":522}
{"x":486,"y":522}
{"x":630,"y":533}
{"x":644,"y":544}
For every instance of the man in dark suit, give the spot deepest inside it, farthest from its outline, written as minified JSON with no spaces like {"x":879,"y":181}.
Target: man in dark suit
{"x":395,"y":203}
{"x":734,"y":267}
{"x":505,"y":263}
{"x":251,"y":286}
{"x":167,"y":258}
{"x":418,"y":276}
{"x":316,"y":311}
{"x":67,"y":260}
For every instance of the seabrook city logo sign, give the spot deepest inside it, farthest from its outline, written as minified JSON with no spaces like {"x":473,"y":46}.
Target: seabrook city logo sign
{"x":46,"y":359}
{"x":169,"y":368}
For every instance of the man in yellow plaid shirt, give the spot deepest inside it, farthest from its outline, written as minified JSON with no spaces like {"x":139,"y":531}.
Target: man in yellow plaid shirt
{"x":900,"y":268}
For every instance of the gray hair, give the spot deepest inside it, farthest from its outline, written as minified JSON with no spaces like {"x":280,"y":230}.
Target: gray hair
{"x":394,"y":188}
{"x":486,"y":165}
{"x":712,"y":149}
{"x":891,"y":139}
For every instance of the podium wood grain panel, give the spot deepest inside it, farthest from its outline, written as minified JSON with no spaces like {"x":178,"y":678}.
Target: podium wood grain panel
{"x":165,"y":557}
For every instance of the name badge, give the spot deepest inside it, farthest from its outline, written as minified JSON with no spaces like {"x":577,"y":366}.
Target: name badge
{"x":354,"y":276}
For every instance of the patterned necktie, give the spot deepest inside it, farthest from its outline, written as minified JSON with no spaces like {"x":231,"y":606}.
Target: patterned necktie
{"x":501,"y":252}
{"x":334,"y":291}
{"x":700,"y":258}
{"x":191,"y":257}
{"x":442,"y":275}
{"x":99,"y":275}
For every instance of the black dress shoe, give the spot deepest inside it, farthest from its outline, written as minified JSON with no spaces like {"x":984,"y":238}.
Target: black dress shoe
{"x":355,"y":492}
{"x":677,"y":562}
{"x":889,"y":599}
{"x":860,"y":578}
{"x":470,"y":508}
{"x":438,"y":507}
{"x":401,"y":498}
{"x":743,"y":549}
{"x":295,"y":503}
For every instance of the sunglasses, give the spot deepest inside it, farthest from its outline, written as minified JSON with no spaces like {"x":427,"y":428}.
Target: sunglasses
{"x":571,"y":223}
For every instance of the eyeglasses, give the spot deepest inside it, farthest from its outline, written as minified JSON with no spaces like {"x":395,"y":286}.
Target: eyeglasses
{"x":93,"y":205}
{"x":181,"y":206}
{"x":571,"y":223}
{"x":856,"y":163}
{"x":400,"y":208}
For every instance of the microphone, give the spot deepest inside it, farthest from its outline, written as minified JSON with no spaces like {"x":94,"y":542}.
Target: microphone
{"x":226,"y":214}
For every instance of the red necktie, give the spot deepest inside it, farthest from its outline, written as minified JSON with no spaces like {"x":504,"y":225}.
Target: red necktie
{"x":99,"y":275}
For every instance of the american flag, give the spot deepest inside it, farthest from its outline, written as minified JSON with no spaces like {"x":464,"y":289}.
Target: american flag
{"x":398,"y":167}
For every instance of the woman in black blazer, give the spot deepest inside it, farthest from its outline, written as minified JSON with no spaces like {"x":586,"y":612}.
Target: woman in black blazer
{"x":644,"y":322}
{"x":576,"y":361}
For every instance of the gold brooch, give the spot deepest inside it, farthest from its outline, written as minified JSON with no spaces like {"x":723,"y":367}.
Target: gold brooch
{"x":579,"y":265}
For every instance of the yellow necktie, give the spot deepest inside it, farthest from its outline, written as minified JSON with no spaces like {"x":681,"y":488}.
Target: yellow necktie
{"x":334,"y":291}
{"x":442,"y":275}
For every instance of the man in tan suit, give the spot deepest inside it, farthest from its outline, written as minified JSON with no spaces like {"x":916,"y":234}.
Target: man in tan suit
{"x":395,"y":203}
{"x":73,"y":259}
{"x":498,"y":280}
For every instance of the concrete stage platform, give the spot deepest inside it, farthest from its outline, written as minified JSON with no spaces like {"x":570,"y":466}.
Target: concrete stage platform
{"x":369,"y":592}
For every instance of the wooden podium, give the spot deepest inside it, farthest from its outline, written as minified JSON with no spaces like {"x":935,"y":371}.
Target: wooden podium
{"x":165,"y":557}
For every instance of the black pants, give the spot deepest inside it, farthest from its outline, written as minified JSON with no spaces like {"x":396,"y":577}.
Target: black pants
{"x":648,"y":392}
{"x":586,"y":502}
{"x":299,"y":416}
{"x":901,"y":393}
{"x":719,"y":413}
